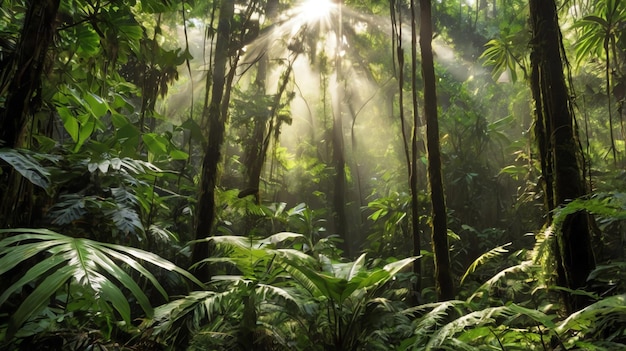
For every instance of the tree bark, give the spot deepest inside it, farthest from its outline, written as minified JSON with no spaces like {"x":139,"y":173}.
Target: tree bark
{"x":339,"y":162}
{"x":216,"y":117}
{"x":256,"y":148}
{"x":413,"y":184}
{"x":18,"y":206}
{"x":37,"y":33}
{"x":443,"y":275}
{"x":574,"y":255}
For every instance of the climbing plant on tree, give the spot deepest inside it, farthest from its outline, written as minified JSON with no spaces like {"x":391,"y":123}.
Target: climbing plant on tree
{"x":559,"y":151}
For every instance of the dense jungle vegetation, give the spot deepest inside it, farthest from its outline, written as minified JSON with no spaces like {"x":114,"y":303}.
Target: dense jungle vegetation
{"x":312,"y":175}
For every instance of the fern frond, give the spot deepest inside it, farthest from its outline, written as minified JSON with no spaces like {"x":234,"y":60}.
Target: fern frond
{"x":484,"y":258}
{"x":484,"y":289}
{"x":196,"y":307}
{"x":474,"y":319}
{"x":543,"y":245}
{"x":437,"y":315}
{"x":605,"y":311}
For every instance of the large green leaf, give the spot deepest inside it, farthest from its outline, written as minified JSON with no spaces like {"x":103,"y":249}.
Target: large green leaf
{"x":97,"y":105}
{"x":69,"y":208}
{"x":24,"y":163}
{"x":156,"y":144}
{"x":93,"y":265}
{"x":87,"y":38}
{"x":38,"y":298}
{"x":69,"y":122}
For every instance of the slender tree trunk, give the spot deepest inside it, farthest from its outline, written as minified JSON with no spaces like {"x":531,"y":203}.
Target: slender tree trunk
{"x":443,"y":275}
{"x":574,"y":254}
{"x":339,"y":162}
{"x":417,"y":246}
{"x":216,"y":117}
{"x":256,"y":148}
{"x":36,"y":37}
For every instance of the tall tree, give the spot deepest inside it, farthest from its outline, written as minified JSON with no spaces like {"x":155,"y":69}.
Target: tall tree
{"x":23,"y":99}
{"x":443,"y":275}
{"x":30,"y":57}
{"x":413,"y":183}
{"x":559,"y":151}
{"x":267,"y":124}
{"x":215,"y":114}
{"x":257,"y":146}
{"x":339,"y":161}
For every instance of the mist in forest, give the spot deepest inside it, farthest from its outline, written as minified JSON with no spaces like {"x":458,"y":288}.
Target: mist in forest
{"x":312,"y":175}
{"x":368,"y":106}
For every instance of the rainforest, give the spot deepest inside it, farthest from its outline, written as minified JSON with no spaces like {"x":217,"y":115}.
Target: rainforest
{"x":323,"y":175}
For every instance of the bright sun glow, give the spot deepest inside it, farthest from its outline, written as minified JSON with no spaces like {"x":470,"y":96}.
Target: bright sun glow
{"x":315,"y":10}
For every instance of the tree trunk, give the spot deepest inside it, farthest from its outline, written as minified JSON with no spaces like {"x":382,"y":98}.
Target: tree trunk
{"x":216,"y":117}
{"x":417,"y":247}
{"x":339,"y":193}
{"x":36,"y":37}
{"x":18,"y":206}
{"x":256,"y":149}
{"x":574,"y":255}
{"x":443,"y":276}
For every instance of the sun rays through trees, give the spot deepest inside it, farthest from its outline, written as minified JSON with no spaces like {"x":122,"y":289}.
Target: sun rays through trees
{"x":312,"y":175}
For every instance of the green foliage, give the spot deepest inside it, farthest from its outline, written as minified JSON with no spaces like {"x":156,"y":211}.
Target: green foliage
{"x":96,"y":269}
{"x":114,"y":170}
{"x":103,"y":192}
{"x":600,"y":30}
{"x":390,"y":225}
{"x":295,"y":299}
{"x":28,"y":164}
{"x":610,"y":205}
{"x":482,"y":259}
{"x":505,"y":56}
{"x":604,"y":320}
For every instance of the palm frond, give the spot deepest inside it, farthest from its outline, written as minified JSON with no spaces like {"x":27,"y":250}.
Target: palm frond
{"x":197,"y":306}
{"x":90,"y":264}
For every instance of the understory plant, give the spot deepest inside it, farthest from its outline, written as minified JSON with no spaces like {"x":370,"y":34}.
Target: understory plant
{"x":279,"y":293}
{"x":276,"y":297}
{"x":59,"y":287}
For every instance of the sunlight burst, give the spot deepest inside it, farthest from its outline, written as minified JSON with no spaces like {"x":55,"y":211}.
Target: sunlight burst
{"x":315,"y":10}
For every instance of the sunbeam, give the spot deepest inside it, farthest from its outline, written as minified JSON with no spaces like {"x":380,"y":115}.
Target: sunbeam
{"x":316,"y":10}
